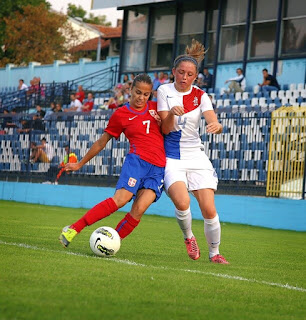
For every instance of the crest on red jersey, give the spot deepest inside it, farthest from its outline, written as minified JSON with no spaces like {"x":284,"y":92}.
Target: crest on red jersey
{"x":132,"y":182}
{"x":195,"y":101}
{"x":153,"y":113}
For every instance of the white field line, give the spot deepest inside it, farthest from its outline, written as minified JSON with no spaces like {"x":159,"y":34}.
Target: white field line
{"x":128,"y":262}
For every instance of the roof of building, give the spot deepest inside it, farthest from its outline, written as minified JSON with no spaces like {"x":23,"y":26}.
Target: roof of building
{"x":102,"y":4}
{"x":90,"y":45}
{"x":108,"y":32}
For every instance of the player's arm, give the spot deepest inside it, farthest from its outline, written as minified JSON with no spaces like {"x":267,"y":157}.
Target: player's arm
{"x":213,"y":125}
{"x":93,"y":151}
{"x":166,"y":113}
{"x":167,"y":118}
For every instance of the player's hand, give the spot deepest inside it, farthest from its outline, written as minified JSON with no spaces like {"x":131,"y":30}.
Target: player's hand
{"x":177,"y":110}
{"x":72,"y":167}
{"x":158,"y":119}
{"x":214,"y":127}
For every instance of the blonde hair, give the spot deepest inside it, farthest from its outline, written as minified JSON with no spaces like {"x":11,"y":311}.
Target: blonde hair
{"x":195,"y":54}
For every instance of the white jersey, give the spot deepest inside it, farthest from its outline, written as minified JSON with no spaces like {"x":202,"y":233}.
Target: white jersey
{"x":184,"y":141}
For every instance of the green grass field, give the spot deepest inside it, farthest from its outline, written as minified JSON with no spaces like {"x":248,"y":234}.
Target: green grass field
{"x":151,"y":277}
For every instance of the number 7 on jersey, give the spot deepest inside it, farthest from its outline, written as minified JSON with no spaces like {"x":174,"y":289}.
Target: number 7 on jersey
{"x":147,"y":122}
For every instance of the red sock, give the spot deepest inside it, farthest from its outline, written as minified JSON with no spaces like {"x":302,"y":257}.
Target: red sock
{"x":126,"y":226}
{"x":98,"y":212}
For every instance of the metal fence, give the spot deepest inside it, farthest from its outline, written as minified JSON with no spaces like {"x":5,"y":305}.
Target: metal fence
{"x":286,"y":170}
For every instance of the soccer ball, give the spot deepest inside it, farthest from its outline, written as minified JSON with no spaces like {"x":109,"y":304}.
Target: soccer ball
{"x":105,"y":241}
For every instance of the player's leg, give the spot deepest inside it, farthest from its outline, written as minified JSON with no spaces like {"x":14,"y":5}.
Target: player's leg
{"x":212,"y":227}
{"x":180,"y":197}
{"x":127,"y":186}
{"x":150,"y":190}
{"x":144,"y":198}
{"x":98,"y":212}
{"x":176,"y":186}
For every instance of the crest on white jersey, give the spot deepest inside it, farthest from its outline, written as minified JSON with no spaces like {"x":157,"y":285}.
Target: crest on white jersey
{"x":132,"y":182}
{"x":195,"y":101}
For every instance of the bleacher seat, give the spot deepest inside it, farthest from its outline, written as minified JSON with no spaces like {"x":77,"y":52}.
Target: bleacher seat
{"x":281,"y":94}
{"x":226,"y":102}
{"x":238,"y":95}
{"x":284,"y":101}
{"x":254,"y":101}
{"x":273,"y":94}
{"x":234,"y":174}
{"x":245,"y":95}
{"x":262,"y":101}
{"x":247,"y":102}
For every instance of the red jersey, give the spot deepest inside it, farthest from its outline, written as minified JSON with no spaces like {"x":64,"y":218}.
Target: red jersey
{"x":80,"y":95}
{"x":142,"y":131}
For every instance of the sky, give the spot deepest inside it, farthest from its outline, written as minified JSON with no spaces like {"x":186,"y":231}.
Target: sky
{"x":112,"y":14}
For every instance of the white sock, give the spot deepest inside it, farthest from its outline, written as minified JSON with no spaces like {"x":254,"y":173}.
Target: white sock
{"x":184,"y":220}
{"x":212,"y":230}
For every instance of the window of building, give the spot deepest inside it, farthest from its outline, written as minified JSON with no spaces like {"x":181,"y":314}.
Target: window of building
{"x":136,"y":41}
{"x":162,"y":38}
{"x":211,"y":40}
{"x":234,"y":11}
{"x":232,"y":43}
{"x":233,"y":30}
{"x":263,"y":29}
{"x":294,"y":28}
{"x":191,"y":25}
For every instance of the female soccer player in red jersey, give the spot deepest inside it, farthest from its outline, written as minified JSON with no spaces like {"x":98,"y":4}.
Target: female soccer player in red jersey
{"x":142,"y":173}
{"x":188,"y":169}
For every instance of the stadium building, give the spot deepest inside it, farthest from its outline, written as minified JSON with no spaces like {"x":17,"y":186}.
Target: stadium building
{"x":237,"y":33}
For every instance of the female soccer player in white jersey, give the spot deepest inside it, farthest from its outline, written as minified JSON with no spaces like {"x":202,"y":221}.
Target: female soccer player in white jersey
{"x":142,"y":173}
{"x":180,"y":106}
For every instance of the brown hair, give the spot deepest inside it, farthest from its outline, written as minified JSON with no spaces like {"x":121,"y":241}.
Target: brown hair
{"x":195,"y":54}
{"x":142,"y":78}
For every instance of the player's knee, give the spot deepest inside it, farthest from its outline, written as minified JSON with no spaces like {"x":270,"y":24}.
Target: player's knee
{"x":122,"y":197}
{"x":210,"y":213}
{"x":182,"y":204}
{"x":120,"y":202}
{"x":138,"y":210}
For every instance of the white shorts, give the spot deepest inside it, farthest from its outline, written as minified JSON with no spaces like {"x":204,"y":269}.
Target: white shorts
{"x":197,"y":173}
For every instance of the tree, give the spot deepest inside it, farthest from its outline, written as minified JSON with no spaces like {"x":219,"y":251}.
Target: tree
{"x":78,"y":12}
{"x":101,"y":20}
{"x":75,"y":12}
{"x":34,"y":35}
{"x":7,"y":8}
